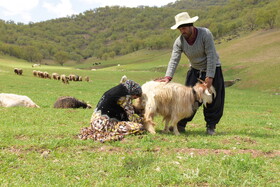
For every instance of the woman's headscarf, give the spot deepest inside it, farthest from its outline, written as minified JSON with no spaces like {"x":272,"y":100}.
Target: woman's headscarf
{"x":132,"y":87}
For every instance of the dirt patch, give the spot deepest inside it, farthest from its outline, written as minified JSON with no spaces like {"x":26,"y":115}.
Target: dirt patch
{"x":239,"y":140}
{"x":108,"y":149}
{"x":192,"y":151}
{"x":21,"y":137}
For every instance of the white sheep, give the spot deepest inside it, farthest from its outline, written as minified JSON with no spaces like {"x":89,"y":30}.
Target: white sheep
{"x":12,"y":100}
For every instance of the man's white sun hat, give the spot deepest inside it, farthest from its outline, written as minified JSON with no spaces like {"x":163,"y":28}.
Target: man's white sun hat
{"x":183,"y":18}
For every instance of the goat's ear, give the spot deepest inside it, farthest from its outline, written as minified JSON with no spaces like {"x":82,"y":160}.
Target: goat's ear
{"x":207,"y":92}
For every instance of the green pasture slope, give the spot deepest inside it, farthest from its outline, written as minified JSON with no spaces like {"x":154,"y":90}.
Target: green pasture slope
{"x":39,"y":146}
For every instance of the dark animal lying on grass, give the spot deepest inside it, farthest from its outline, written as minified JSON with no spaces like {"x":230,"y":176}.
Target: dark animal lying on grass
{"x":70,"y":102}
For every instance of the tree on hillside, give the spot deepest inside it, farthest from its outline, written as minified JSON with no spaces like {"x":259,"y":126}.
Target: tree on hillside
{"x":32,"y":54}
{"x":111,"y":31}
{"x":61,"y":57}
{"x":269,"y":16}
{"x":251,"y":19}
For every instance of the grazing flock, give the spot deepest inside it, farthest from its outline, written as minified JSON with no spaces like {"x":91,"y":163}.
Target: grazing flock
{"x":13,"y":100}
{"x":64,"y":78}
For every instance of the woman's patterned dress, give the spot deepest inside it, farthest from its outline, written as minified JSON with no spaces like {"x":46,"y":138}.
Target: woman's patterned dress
{"x":102,"y":128}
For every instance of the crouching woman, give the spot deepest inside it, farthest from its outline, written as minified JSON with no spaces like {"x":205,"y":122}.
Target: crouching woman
{"x":114,"y":116}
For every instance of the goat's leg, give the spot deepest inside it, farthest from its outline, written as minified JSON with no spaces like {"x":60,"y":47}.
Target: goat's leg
{"x":175,"y":129}
{"x":166,"y":127}
{"x":148,"y":122}
{"x":149,"y":125}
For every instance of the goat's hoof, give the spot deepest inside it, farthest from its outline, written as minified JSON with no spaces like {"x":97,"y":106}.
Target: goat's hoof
{"x":165,"y":131}
{"x":152,"y":131}
{"x":176,"y":133}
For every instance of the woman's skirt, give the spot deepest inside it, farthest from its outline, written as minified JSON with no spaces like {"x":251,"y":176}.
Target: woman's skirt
{"x":102,"y":128}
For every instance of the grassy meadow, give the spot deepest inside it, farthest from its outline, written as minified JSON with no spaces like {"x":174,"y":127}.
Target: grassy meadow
{"x":39,"y":146}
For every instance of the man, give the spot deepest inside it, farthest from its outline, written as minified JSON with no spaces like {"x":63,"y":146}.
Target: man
{"x":197,"y":44}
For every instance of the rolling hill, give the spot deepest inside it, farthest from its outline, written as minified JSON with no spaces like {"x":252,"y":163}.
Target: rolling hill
{"x":254,"y":58}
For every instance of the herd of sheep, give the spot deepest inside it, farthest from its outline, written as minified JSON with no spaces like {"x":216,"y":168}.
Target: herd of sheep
{"x":13,"y":100}
{"x":65,"y":79}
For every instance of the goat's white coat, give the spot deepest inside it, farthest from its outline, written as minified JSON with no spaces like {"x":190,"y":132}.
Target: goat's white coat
{"x":173,"y":101}
{"x":12,"y":100}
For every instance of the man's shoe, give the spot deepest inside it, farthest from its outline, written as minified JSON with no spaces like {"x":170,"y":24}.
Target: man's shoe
{"x":210,"y":131}
{"x":181,"y":129}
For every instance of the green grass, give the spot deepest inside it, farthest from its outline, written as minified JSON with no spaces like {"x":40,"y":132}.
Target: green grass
{"x":39,"y":147}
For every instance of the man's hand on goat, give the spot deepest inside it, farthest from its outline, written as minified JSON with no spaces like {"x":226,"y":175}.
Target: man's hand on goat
{"x":209,"y":81}
{"x":163,"y":79}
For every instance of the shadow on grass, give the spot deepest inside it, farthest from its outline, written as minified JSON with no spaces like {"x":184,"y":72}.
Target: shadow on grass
{"x":220,"y":132}
{"x":187,"y":133}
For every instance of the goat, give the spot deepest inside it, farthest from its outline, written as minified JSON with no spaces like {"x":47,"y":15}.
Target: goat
{"x":35,"y":73}
{"x":46,"y":75}
{"x":70,"y":102}
{"x":18,"y":71}
{"x":64,"y":79}
{"x":55,"y":76}
{"x":173,"y":101}
{"x":72,"y":77}
{"x":41,"y":74}
{"x":12,"y":100}
{"x":36,"y":65}
{"x":87,"y":78}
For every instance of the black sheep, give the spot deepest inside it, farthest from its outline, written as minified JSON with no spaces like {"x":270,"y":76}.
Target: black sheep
{"x":70,"y":102}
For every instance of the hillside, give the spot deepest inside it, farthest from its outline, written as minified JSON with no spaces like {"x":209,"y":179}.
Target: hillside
{"x":253,"y":57}
{"x":109,"y":32}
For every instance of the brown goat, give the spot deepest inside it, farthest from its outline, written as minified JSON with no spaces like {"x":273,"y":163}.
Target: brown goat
{"x":87,"y":78}
{"x":55,"y":76}
{"x":18,"y":71}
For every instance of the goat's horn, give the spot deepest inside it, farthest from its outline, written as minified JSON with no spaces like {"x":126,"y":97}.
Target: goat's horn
{"x":200,"y":80}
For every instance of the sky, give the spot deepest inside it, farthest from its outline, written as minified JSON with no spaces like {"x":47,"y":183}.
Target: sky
{"x":26,"y":11}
